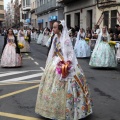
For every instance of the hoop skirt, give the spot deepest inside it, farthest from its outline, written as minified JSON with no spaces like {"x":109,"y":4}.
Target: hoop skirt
{"x":82,"y":49}
{"x":103,"y":56}
{"x":40,"y":38}
{"x":45,"y":39}
{"x":62,"y":100}
{"x":10,"y":58}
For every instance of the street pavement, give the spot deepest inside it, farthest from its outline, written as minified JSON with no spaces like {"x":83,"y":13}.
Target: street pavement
{"x":19,"y":86}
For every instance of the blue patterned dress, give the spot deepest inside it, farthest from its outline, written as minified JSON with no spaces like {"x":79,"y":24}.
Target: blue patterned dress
{"x":82,"y":49}
{"x":103,"y":55}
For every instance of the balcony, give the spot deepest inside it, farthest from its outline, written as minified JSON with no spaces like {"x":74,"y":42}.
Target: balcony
{"x":47,"y":7}
{"x":26,"y":8}
{"x":66,"y":1}
{"x":107,"y":3}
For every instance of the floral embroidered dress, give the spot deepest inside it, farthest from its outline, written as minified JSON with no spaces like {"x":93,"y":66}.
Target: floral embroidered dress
{"x":82,"y":49}
{"x":24,"y":42}
{"x":59,"y":99}
{"x":11,"y":54}
{"x":40,"y":38}
{"x":45,"y":38}
{"x":103,"y":55}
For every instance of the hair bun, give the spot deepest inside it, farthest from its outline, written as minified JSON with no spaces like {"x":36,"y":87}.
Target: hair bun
{"x":60,"y":27}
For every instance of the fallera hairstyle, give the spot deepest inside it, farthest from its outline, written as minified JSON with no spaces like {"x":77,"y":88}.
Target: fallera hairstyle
{"x":60,"y":27}
{"x":11,"y":30}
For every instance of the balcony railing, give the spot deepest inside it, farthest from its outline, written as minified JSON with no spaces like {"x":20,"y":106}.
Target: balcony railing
{"x":27,"y":7}
{"x":47,"y":6}
{"x":106,"y":3}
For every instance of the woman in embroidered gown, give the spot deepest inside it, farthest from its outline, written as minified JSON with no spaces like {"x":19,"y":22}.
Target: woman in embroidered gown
{"x":35,"y":34}
{"x":63,"y":95}
{"x":45,"y":37}
{"x":103,"y":54}
{"x":23,"y":41}
{"x":82,"y":49}
{"x":49,"y":40}
{"x":11,"y":53}
{"x":40,"y":37}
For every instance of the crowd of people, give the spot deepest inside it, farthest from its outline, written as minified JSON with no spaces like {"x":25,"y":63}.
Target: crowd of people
{"x":84,"y":42}
{"x":89,"y":43}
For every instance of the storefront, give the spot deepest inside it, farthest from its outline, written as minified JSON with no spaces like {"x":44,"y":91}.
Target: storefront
{"x":40,"y":23}
{"x":52,"y":19}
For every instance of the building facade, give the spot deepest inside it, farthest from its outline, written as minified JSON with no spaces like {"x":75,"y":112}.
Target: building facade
{"x":87,"y":13}
{"x":47,"y":12}
{"x":80,"y":13}
{"x":10,"y":12}
{"x":34,"y":23}
{"x":21,"y":13}
{"x":1,"y":11}
{"x":25,"y":11}
{"x":108,"y":13}
{"x":17,"y":13}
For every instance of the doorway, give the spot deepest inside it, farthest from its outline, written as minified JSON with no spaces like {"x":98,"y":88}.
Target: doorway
{"x":68,"y":20}
{"x":77,"y":19}
{"x":89,"y":18}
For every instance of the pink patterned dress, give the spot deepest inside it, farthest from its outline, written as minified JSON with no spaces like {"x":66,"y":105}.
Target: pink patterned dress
{"x":9,"y":56}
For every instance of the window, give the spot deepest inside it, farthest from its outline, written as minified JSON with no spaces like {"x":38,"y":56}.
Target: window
{"x":77,"y":19}
{"x":1,"y":7}
{"x":113,"y":18}
{"x":1,"y":15}
{"x":106,"y":19}
{"x":23,"y":3}
{"x":27,"y":2}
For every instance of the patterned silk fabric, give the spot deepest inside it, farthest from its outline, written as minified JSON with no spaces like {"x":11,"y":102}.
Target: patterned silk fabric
{"x":103,"y":55}
{"x":9,"y":57}
{"x":62,"y":100}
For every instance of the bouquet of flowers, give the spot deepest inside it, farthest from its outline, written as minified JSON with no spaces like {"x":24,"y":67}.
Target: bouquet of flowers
{"x":87,"y":40}
{"x":26,"y":38}
{"x":63,"y":68}
{"x":20,"y":45}
{"x":112,"y":43}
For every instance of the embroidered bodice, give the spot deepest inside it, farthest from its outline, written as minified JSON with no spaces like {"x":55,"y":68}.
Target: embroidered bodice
{"x":22,"y":33}
{"x":57,"y":46}
{"x":10,"y":39}
{"x":82,"y":35}
{"x":104,"y":38}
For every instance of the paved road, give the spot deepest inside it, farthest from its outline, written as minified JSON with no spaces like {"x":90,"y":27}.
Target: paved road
{"x":19,"y":86}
